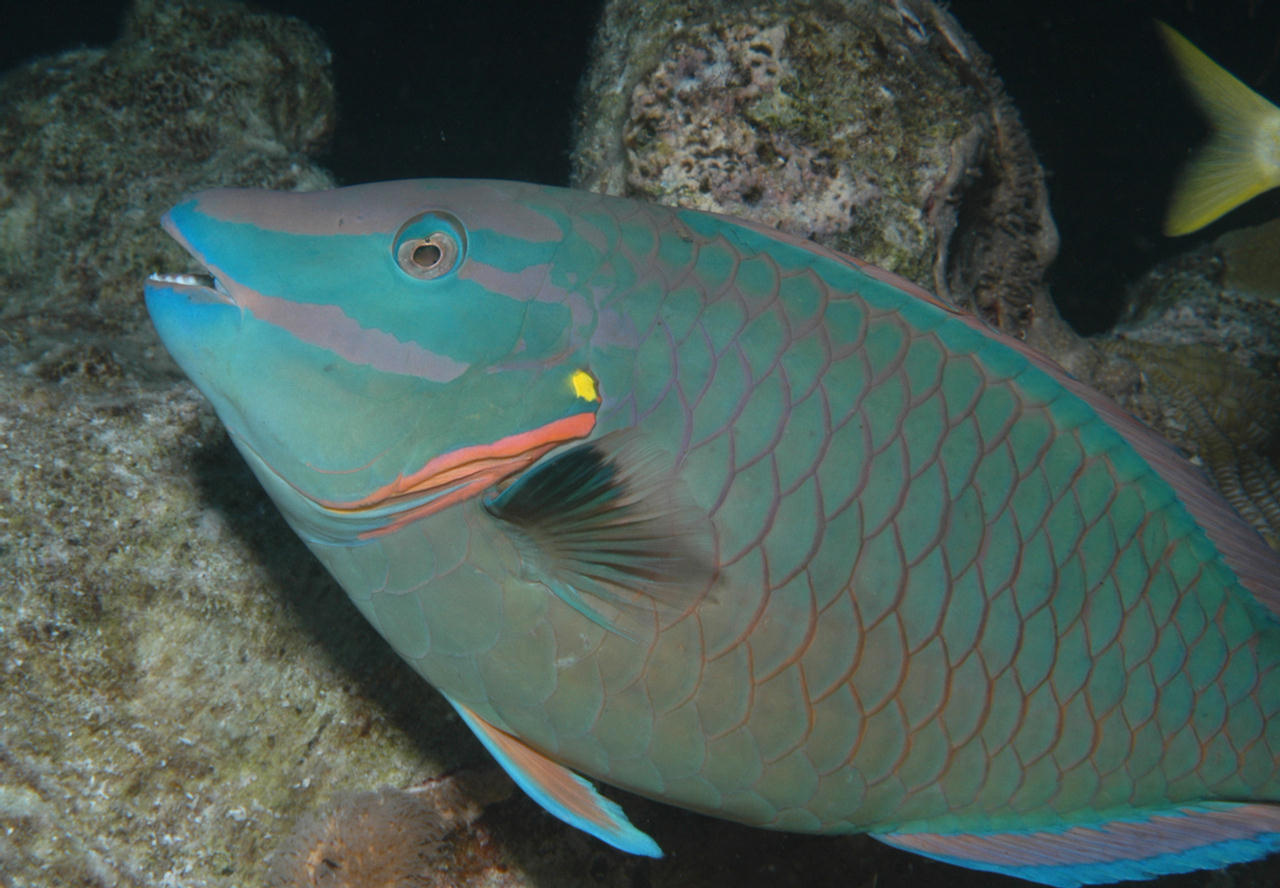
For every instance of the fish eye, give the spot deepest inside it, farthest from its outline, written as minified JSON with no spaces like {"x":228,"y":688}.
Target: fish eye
{"x":429,"y":246}
{"x":428,"y":257}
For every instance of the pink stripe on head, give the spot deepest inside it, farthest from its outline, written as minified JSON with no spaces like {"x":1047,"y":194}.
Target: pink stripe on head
{"x":329,"y":327}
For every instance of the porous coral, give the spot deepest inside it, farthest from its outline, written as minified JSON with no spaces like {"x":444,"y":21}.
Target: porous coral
{"x":389,"y":838}
{"x":1224,"y":294}
{"x":876,"y":128}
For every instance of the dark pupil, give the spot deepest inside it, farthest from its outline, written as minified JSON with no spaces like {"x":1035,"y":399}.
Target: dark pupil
{"x":426,"y":255}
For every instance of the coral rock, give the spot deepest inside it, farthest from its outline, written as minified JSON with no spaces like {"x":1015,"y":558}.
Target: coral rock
{"x":96,"y":143}
{"x":877,"y":128}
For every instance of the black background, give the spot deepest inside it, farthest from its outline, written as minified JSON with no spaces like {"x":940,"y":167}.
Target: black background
{"x":486,"y":88}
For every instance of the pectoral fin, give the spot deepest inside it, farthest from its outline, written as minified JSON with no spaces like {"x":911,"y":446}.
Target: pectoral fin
{"x":611,"y":533}
{"x":559,"y":790}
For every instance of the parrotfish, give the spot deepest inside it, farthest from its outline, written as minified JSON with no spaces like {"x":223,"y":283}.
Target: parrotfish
{"x":724,"y":518}
{"x":1242,"y":157}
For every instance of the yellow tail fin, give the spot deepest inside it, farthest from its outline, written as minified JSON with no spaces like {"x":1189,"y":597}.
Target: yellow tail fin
{"x":1241,"y":158}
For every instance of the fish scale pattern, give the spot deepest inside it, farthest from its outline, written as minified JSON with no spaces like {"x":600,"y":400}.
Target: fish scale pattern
{"x":711,"y":513}
{"x":950,"y":594}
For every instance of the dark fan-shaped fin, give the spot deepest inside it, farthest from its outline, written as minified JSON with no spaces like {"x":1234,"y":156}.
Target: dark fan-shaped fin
{"x":607,"y":523}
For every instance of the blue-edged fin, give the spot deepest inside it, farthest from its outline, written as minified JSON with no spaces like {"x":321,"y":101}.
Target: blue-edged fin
{"x":559,"y":790}
{"x":1138,"y":846}
{"x":611,"y":533}
{"x":1241,"y":158}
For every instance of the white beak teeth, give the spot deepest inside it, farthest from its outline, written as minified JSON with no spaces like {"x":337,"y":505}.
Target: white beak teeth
{"x":189,"y":280}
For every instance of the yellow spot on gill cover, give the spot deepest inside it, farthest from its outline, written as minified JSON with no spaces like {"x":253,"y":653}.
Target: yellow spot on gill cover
{"x":584,"y":385}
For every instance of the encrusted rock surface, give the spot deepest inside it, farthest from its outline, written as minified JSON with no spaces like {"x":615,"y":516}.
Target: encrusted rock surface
{"x":179,"y":680}
{"x":877,"y":128}
{"x":1224,"y":294}
{"x":1204,"y":331}
{"x":96,"y":143}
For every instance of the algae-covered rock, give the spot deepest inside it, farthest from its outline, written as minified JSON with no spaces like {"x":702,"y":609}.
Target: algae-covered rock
{"x":96,"y":143}
{"x":391,"y":837}
{"x":1224,"y":294}
{"x":180,"y":682}
{"x":1204,"y":330}
{"x":876,"y":128}
{"x":180,"y":679}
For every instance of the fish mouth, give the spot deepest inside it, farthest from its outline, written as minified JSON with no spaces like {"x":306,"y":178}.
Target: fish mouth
{"x":200,"y":286}
{"x":196,"y":286}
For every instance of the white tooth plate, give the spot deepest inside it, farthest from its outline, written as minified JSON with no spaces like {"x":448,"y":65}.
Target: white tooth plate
{"x":188,"y":279}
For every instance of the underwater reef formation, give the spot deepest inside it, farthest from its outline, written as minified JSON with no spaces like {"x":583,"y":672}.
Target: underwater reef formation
{"x":96,"y":143}
{"x":178,"y":680}
{"x":1204,"y":328}
{"x":1224,"y":294}
{"x":877,"y":128}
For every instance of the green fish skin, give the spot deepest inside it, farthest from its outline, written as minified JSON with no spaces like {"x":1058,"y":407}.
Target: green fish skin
{"x":726,"y":519}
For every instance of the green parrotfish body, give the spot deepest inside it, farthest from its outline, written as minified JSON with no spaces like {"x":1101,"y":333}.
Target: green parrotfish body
{"x":730,"y":520}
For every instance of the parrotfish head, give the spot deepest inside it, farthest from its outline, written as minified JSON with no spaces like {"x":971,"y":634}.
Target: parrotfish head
{"x":379,"y":352}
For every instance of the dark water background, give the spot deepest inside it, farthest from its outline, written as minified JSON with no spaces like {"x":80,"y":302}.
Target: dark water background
{"x":486,"y":88}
